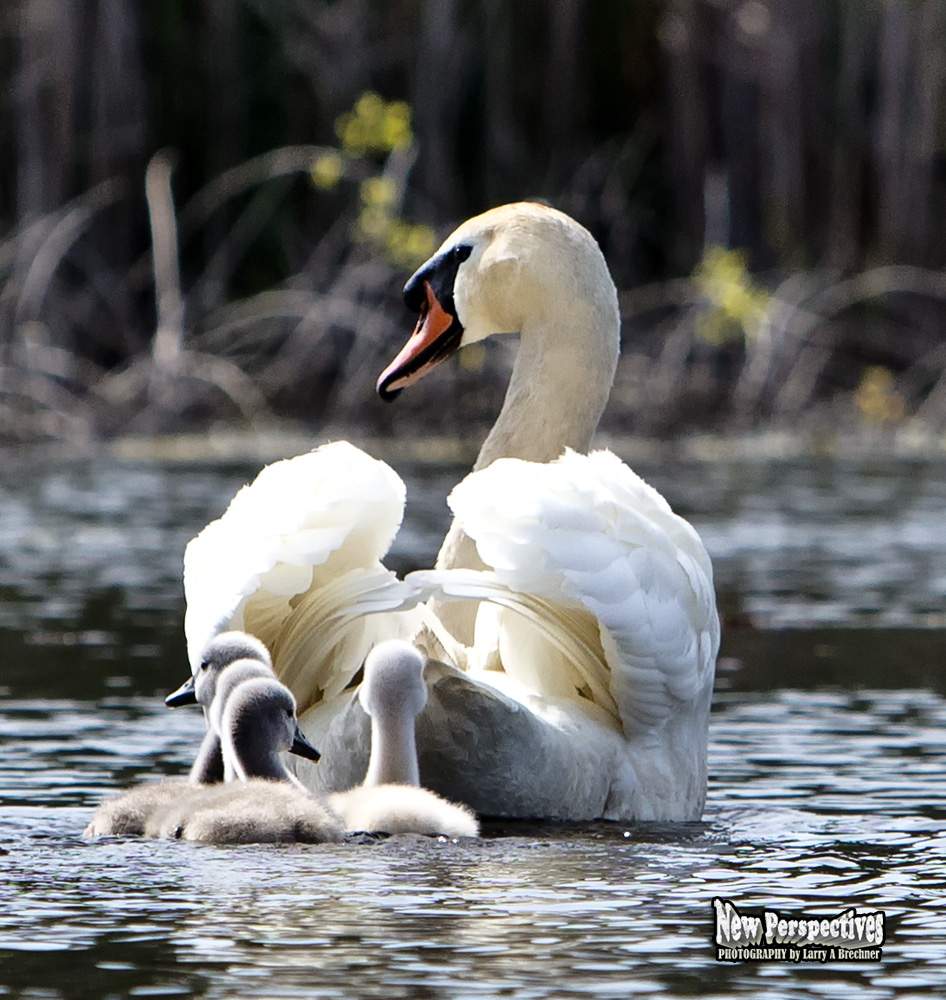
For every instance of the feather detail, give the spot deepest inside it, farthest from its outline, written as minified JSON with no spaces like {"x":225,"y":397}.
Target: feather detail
{"x":296,"y":561}
{"x":617,"y":585}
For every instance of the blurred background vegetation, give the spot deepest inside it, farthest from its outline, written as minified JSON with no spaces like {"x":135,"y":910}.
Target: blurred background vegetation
{"x":208,"y":207}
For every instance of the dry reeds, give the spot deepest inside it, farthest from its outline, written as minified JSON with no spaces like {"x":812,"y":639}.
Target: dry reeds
{"x":803,"y":134}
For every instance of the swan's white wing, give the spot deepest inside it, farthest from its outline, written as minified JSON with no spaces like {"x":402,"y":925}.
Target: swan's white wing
{"x":330,"y":630}
{"x":624,"y":583}
{"x":295,"y":560}
{"x":551,"y":627}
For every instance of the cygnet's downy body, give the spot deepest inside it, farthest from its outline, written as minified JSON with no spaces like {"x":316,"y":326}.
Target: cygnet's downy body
{"x":142,"y":809}
{"x":262,"y":803}
{"x":199,"y":689}
{"x":393,"y":693}
{"x":128,"y":814}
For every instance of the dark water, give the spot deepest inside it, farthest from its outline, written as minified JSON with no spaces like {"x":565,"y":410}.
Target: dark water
{"x":827,"y":790}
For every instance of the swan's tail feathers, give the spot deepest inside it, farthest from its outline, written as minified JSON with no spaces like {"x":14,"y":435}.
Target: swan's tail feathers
{"x":623,"y":584}
{"x":328,"y":631}
{"x":302,"y":523}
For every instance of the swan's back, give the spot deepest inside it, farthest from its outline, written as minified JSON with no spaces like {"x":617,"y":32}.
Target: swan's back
{"x":606,"y":592}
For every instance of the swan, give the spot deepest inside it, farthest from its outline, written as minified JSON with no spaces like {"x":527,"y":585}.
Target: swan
{"x":263,"y":802}
{"x":571,"y":617}
{"x":390,"y":800}
{"x":295,"y":560}
{"x":223,"y":650}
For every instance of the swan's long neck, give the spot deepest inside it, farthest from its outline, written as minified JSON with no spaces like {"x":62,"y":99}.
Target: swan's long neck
{"x":393,"y":752}
{"x":558,"y":390}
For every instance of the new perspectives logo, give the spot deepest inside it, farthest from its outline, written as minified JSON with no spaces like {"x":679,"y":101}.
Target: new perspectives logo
{"x":852,"y":936}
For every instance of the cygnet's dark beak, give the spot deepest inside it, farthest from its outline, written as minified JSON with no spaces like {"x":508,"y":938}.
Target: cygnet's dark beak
{"x":302,"y":747}
{"x":184,"y":695}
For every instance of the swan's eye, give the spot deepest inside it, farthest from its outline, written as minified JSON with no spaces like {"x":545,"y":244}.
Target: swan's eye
{"x":461,"y":252}
{"x":204,"y":664}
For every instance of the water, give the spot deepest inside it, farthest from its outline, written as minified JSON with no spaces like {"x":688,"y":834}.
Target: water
{"x":827,"y":767}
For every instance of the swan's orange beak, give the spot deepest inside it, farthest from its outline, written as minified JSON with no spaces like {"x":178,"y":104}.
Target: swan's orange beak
{"x":436,"y":336}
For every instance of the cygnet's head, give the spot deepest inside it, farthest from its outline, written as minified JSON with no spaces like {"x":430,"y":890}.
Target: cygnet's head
{"x":215,"y":686}
{"x":228,"y":647}
{"x":223,"y":650}
{"x":257,"y":718}
{"x":394,"y":680}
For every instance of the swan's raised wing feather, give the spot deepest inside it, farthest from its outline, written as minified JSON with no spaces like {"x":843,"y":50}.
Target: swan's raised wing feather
{"x":305,"y":537}
{"x":566,"y":629}
{"x":330,"y":630}
{"x":584,"y":536}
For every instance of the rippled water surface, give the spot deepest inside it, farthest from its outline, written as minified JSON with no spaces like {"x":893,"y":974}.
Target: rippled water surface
{"x":828,"y":746}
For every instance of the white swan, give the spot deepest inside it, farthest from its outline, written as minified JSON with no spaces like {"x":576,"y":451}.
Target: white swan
{"x":296,"y":561}
{"x":263,"y":802}
{"x":578,"y":609}
{"x":390,"y":800}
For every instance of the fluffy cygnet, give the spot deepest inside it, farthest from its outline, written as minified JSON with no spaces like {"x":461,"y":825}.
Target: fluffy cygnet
{"x":257,"y":811}
{"x":127,"y":815}
{"x":199,"y":689}
{"x":255,"y":718}
{"x":228,"y":661}
{"x":390,"y":800}
{"x":263,"y":803}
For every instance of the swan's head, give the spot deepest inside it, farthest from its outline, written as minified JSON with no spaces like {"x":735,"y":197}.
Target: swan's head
{"x":258,"y":711}
{"x":394,"y":681}
{"x":220,"y":652}
{"x":500,"y":272}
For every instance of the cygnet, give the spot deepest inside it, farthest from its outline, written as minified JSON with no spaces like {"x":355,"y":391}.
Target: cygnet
{"x":199,"y":689}
{"x":134,"y":813}
{"x":264,"y":803}
{"x":390,"y":800}
{"x":127,"y":814}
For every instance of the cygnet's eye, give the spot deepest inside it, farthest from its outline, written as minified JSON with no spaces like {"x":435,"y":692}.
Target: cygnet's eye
{"x":461,"y":252}
{"x":204,"y":664}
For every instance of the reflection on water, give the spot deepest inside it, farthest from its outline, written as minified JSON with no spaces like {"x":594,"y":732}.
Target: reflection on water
{"x":827,"y":778}
{"x":90,"y":556}
{"x":818,"y":801}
